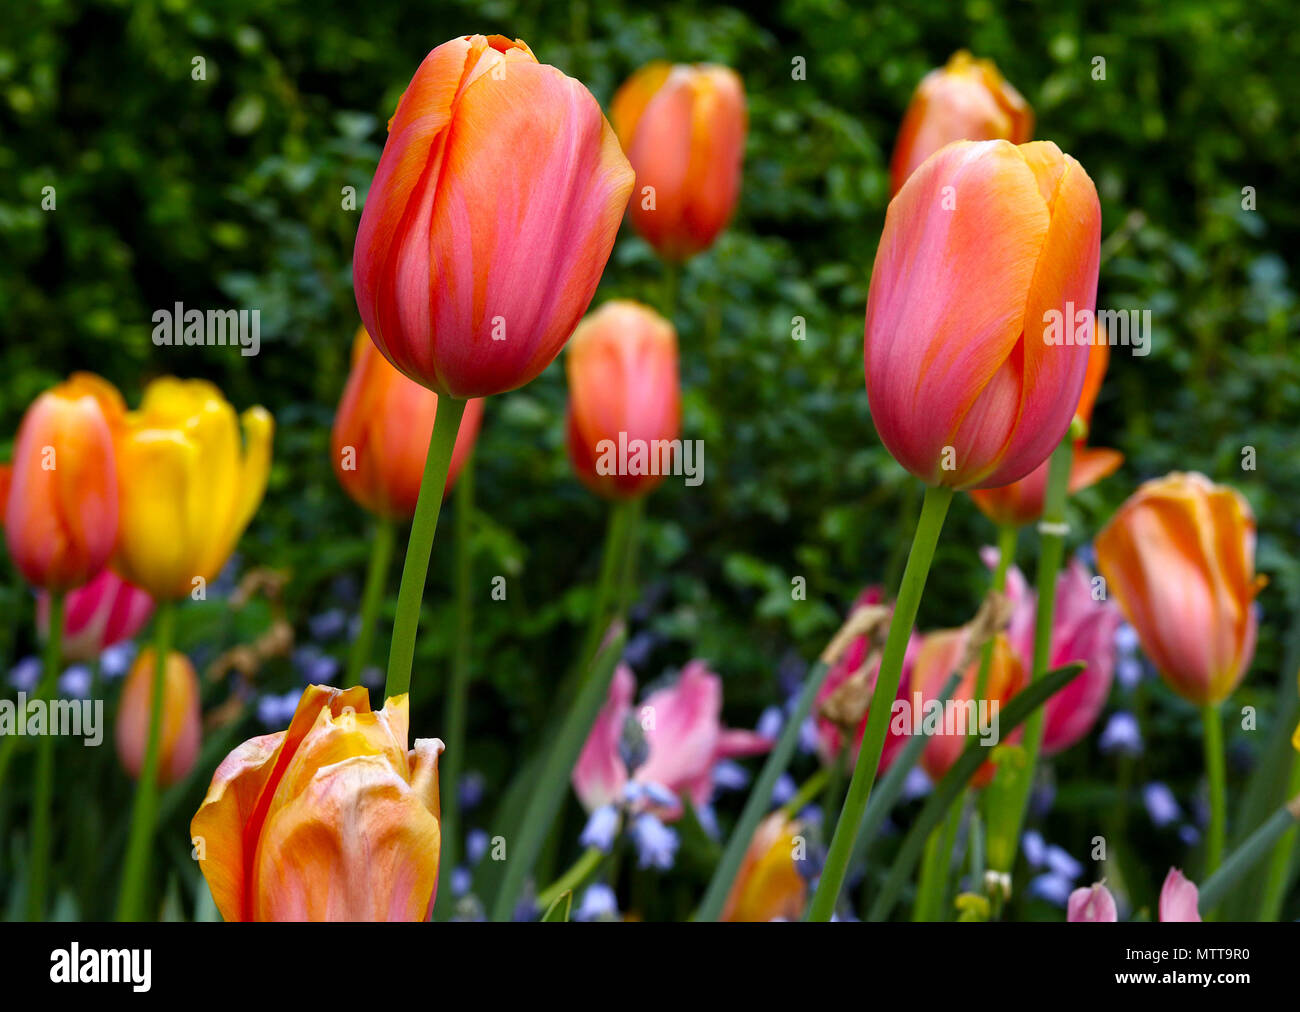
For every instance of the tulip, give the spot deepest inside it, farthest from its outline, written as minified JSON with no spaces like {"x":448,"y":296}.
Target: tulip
{"x":181,"y":728}
{"x":967,"y":100}
{"x":104,"y":612}
{"x":1179,"y":901}
{"x":1093,"y":903}
{"x":490,"y":218}
{"x":969,"y":385}
{"x":61,"y":510}
{"x":1083,"y":629}
{"x":381,"y":434}
{"x":623,"y":390}
{"x":768,"y":885}
{"x":939,"y":656}
{"x":330,"y":820}
{"x":683,"y":736}
{"x":1021,"y":502}
{"x":1179,"y":556}
{"x":683,"y":128}
{"x":849,"y":685}
{"x":188,"y":490}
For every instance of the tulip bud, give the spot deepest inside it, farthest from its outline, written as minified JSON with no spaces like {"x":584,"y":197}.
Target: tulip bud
{"x":984,"y":248}
{"x":188,"y":489}
{"x":683,"y":128}
{"x":1179,"y":556}
{"x":1091,"y":903}
{"x":330,"y":820}
{"x":490,"y":218}
{"x":966,"y":100}
{"x":768,"y":885}
{"x":178,"y":740}
{"x":380,"y":438}
{"x":1179,"y":898}
{"x":61,"y":510}
{"x":104,"y":612}
{"x":623,"y":391}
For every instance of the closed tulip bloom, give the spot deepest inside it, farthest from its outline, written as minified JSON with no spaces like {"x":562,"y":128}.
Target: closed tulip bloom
{"x":181,"y":729}
{"x":968,"y":386}
{"x":1021,"y":502}
{"x":189,"y":488}
{"x":1091,"y":903}
{"x":623,"y":390}
{"x":1179,"y":900}
{"x":61,"y":510}
{"x":683,"y":128}
{"x":490,"y":218}
{"x":104,"y":612}
{"x":939,"y":656}
{"x":380,"y":438}
{"x":330,"y":820}
{"x":1179,"y":556}
{"x":966,"y":100}
{"x":768,"y":885}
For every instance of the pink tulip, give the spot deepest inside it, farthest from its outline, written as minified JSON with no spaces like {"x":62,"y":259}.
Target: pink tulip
{"x":1179,"y":900}
{"x":1083,"y":629}
{"x":683,"y":733}
{"x":104,"y":612}
{"x":1092,"y":903}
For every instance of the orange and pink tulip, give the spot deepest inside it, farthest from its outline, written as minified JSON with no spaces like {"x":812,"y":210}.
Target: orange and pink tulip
{"x":490,"y":218}
{"x":967,"y":387}
{"x":181,"y":728}
{"x":104,"y":612}
{"x":683,"y":128}
{"x":768,"y":885}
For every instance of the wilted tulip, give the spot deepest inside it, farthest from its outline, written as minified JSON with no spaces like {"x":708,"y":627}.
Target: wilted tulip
{"x":1179,"y":556}
{"x":768,"y":885}
{"x":970,"y":384}
{"x":941,"y":654}
{"x":623,"y":392}
{"x":490,"y":218}
{"x":1021,"y":502}
{"x":1083,"y":629}
{"x":181,"y":728}
{"x":61,"y":511}
{"x":188,"y":489}
{"x":104,"y":612}
{"x":966,"y":100}
{"x":683,"y":740}
{"x":683,"y":128}
{"x":330,"y":820}
{"x":381,"y":434}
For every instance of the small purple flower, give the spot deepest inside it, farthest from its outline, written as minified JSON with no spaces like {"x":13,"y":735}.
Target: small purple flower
{"x":784,"y":789}
{"x":476,"y":845}
{"x":729,"y":775}
{"x":328,"y":625}
{"x":1128,"y":671}
{"x":75,"y":682}
{"x":808,"y":735}
{"x":116,"y":660}
{"x":24,"y":675}
{"x":1121,"y":734}
{"x":708,"y":820}
{"x":656,"y":844}
{"x":1062,"y":864}
{"x":1189,"y":834}
{"x":1126,"y":639}
{"x":1035,"y":850}
{"x":1161,"y":805}
{"x":915,"y":785}
{"x":598,"y":904}
{"x":316,"y":666}
{"x":770,"y":722}
{"x":601,"y":830}
{"x":472,"y":789}
{"x":461,"y":879}
{"x":1053,"y":887}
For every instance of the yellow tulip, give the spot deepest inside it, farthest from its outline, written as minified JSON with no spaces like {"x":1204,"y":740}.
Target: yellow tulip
{"x":188,"y":487}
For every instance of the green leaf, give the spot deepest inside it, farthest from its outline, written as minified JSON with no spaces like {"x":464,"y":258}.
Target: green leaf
{"x":560,"y":909}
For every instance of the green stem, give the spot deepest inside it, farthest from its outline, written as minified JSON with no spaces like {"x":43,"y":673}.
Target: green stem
{"x":804,"y":795}
{"x":612,"y":563}
{"x":1006,"y":552}
{"x":39,"y":858}
{"x":632,"y":543}
{"x":933,"y":509}
{"x":571,"y":879}
{"x":1214,"y":769}
{"x":415,"y":568}
{"x":130,"y":900}
{"x":381,"y":554}
{"x":672,"y":278}
{"x":1214,"y":888}
{"x":1279,"y":866}
{"x":458,"y":687}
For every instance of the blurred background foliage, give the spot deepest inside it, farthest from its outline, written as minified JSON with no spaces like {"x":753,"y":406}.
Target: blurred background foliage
{"x":230,"y":192}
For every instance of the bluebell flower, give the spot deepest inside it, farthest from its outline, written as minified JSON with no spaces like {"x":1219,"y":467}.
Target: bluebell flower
{"x":1161,"y":805}
{"x":601,"y":830}
{"x":472,"y":788}
{"x":476,"y":845}
{"x":328,"y":625}
{"x":656,"y":844}
{"x":729,"y":775}
{"x":1060,"y":862}
{"x":24,"y":675}
{"x":770,"y":722}
{"x":659,"y":795}
{"x":1189,"y":834}
{"x":639,"y":648}
{"x":1051,"y":886}
{"x":74,"y":683}
{"x":461,"y":880}
{"x":316,"y":666}
{"x":708,"y":820}
{"x":1128,"y":672}
{"x":808,"y":735}
{"x":915,"y":785}
{"x":598,"y":904}
{"x":115,"y":661}
{"x":1126,"y":639}
{"x":1121,"y":734}
{"x":1035,"y":851}
{"x":784,"y":789}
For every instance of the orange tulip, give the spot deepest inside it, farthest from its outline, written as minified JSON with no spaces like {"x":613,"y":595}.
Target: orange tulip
{"x":623,"y":391}
{"x":768,"y":885}
{"x":1179,"y":556}
{"x":969,"y":386}
{"x":330,"y":820}
{"x":178,"y":740}
{"x":967,"y":100}
{"x":490,"y":218}
{"x":683,"y":128}
{"x":1021,"y":502}
{"x":381,"y":434}
{"x":61,"y":511}
{"x":938,"y":658}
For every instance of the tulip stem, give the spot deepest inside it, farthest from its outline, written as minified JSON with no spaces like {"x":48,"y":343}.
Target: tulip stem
{"x":933,"y":510}
{"x":130,"y":900}
{"x":381,"y":554}
{"x":39,"y":857}
{"x":415,"y":568}
{"x":578,"y":873}
{"x":612,"y":563}
{"x":631,"y":546}
{"x":1214,"y":769}
{"x":1006,"y":552}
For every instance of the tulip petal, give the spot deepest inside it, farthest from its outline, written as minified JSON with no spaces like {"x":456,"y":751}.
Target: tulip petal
{"x":1179,"y":898}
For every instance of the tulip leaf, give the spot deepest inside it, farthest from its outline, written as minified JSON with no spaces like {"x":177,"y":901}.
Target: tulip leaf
{"x":561,"y":908}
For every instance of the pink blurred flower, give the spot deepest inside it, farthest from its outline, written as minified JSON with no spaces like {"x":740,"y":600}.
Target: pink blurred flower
{"x":1179,"y":900}
{"x":105,"y":611}
{"x":1083,"y":629}
{"x":1091,"y":903}
{"x":684,"y":740}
